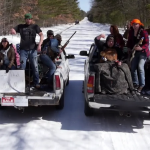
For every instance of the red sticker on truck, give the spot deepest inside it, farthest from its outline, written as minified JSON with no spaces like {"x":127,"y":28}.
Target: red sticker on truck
{"x":7,"y":101}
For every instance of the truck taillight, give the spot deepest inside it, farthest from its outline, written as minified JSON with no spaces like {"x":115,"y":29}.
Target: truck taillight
{"x":90,"y":84}
{"x":57,"y":82}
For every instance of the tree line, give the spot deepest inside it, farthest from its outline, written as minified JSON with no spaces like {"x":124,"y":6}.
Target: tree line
{"x":119,"y":11}
{"x":45,"y":12}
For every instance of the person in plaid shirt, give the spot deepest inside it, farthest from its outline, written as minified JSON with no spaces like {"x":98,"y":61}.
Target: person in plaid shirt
{"x":141,"y":53}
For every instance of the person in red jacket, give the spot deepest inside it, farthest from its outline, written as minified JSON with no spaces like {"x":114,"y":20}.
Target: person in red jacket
{"x":141,"y":53}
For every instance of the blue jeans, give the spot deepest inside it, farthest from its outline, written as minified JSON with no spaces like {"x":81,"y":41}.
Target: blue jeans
{"x":46,"y":60}
{"x":32,"y":55}
{"x":137,"y":68}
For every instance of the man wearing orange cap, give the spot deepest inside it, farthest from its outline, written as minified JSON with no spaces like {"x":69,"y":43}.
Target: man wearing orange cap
{"x":141,"y":53}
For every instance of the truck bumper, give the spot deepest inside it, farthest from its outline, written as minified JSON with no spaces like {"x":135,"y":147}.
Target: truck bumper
{"x":119,"y":102}
{"x":25,"y":101}
{"x":39,"y":102}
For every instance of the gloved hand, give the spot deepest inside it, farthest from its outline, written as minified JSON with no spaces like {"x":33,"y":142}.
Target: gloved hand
{"x":118,"y":63}
{"x":7,"y":69}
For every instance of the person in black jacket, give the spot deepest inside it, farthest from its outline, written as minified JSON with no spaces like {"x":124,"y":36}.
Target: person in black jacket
{"x":110,"y":43}
{"x":108,"y":52}
{"x":50,"y":50}
{"x":50,"y":35}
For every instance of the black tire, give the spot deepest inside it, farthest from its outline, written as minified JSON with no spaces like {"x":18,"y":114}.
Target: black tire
{"x":60,"y":106}
{"x":87,"y":110}
{"x":67,"y":81}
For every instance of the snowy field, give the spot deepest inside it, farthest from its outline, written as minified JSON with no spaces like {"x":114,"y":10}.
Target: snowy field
{"x":44,"y":128}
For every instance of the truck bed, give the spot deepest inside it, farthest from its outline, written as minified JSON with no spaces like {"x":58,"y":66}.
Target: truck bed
{"x":124,"y":100}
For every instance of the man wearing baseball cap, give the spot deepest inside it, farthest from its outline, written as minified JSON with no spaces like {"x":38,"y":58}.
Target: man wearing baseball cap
{"x":28,"y":48}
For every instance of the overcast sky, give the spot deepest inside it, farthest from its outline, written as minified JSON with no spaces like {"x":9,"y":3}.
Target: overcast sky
{"x":85,"y":5}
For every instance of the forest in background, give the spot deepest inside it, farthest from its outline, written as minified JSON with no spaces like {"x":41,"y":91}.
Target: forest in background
{"x":119,"y":11}
{"x":45,"y":12}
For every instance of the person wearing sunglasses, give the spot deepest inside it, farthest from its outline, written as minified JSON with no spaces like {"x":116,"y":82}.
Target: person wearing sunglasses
{"x":136,"y":33}
{"x":7,"y":55}
{"x":28,"y":47}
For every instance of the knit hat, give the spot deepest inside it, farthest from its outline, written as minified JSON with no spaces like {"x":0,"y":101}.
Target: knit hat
{"x":110,"y":37}
{"x":136,"y":21}
{"x":50,"y":32}
{"x":28,"y":16}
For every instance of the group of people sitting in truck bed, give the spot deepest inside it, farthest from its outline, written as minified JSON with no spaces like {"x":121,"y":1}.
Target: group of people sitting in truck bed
{"x":49,"y":49}
{"x":135,"y":52}
{"x":10,"y":55}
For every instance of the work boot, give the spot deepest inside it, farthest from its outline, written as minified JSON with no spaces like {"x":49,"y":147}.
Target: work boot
{"x":139,"y":89}
{"x":135,"y":86}
{"x":37,"y":86}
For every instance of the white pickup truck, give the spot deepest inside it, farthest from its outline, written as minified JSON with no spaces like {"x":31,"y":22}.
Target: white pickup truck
{"x":94,"y":100}
{"x":14,"y":92}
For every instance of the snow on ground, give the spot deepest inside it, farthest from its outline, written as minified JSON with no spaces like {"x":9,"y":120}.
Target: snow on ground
{"x":44,"y":128}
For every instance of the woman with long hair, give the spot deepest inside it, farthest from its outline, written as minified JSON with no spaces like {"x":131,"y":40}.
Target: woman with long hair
{"x":118,"y":37}
{"x":7,"y":55}
{"x":136,"y":33}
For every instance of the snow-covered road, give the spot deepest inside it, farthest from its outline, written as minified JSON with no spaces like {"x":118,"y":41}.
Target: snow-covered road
{"x":44,"y":128}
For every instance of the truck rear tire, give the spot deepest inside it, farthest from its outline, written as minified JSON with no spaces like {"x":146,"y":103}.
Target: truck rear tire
{"x":61,"y":102}
{"x":87,"y":110}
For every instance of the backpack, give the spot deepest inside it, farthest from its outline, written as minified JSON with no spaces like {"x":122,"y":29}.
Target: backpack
{"x":113,"y":79}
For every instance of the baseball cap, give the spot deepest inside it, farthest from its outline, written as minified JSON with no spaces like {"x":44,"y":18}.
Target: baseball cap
{"x":137,"y":21}
{"x":28,"y":16}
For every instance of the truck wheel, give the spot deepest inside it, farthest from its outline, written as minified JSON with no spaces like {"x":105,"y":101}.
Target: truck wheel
{"x":67,"y":81}
{"x":87,"y":110}
{"x":61,"y":102}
